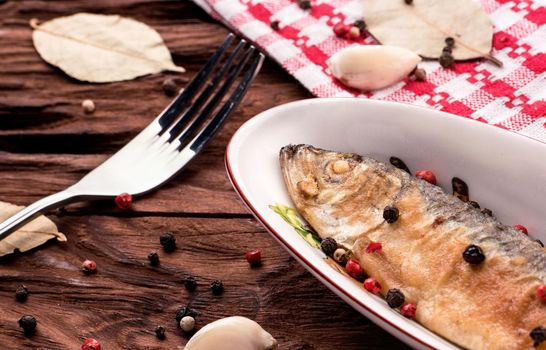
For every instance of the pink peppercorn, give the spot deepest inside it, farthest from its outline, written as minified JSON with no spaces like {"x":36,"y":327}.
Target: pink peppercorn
{"x":374,"y":247}
{"x":254,"y":257}
{"x":89,"y":266}
{"x":371,"y":285}
{"x":408,"y":310}
{"x":90,"y":344}
{"x":521,"y":228}
{"x":124,"y":201}
{"x":353,"y":268}
{"x":426,"y":175}
{"x":341,"y":29}
{"x":541,"y":292}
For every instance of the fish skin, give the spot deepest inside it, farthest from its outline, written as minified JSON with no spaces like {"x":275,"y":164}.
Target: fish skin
{"x":489,"y":306}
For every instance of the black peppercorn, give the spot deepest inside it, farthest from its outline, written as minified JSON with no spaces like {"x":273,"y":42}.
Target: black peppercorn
{"x":28,"y":323}
{"x":183,"y":312}
{"x":539,"y":242}
{"x":487,"y":212}
{"x":154,"y":258}
{"x":168,"y":242}
{"x":446,"y":59}
{"x":395,"y":298}
{"x":160,"y":332}
{"x":21,"y":293}
{"x":474,"y":204}
{"x":473,"y":255}
{"x":169,"y":87}
{"x":304,"y":4}
{"x":450,"y":42}
{"x":390,"y":214}
{"x":408,"y":2}
{"x":190,"y":283}
{"x":397,"y":162}
{"x":274,"y":25}
{"x":538,"y":334}
{"x":328,"y":246}
{"x":460,"y":189}
{"x":360,"y":24}
{"x":447,"y":49}
{"x":217,"y":287}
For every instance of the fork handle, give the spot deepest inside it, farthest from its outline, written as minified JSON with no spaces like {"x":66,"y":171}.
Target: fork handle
{"x":26,"y":214}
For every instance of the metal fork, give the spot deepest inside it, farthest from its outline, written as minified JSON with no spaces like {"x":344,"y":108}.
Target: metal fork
{"x":169,"y":142}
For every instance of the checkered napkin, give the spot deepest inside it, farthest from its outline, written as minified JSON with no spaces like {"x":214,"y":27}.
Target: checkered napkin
{"x":512,"y":97}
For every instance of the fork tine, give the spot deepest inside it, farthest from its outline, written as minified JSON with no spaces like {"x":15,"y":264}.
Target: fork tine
{"x":212,"y":127}
{"x":169,"y":114}
{"x":203,"y":97}
{"x":211,"y":105}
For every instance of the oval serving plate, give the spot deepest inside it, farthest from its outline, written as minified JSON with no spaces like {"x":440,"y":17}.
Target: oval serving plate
{"x":505,"y":172}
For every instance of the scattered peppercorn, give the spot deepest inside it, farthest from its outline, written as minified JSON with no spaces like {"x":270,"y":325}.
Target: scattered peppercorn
{"x":408,"y":2}
{"x":395,"y":298}
{"x":354,"y":33}
{"x":124,"y":201}
{"x":88,"y":106}
{"x":274,"y":24}
{"x":426,"y":175}
{"x":541,"y":292}
{"x":340,"y":256}
{"x":89,"y":267}
{"x":446,"y":59}
{"x":168,"y":241}
{"x":371,"y":285}
{"x":473,"y":254}
{"x":340,"y":29}
{"x":90,"y":344}
{"x":360,"y":24}
{"x":474,"y":204}
{"x":408,"y":310}
{"x":521,"y":228}
{"x":390,"y":213}
{"x":169,"y":87}
{"x":354,"y":269}
{"x":254,"y":257}
{"x":190,"y":283}
{"x":21,"y":293}
{"x":487,"y":212}
{"x":160,"y":332}
{"x":304,"y":4}
{"x":447,"y":49}
{"x":217,"y":287}
{"x":187,"y":323}
{"x":460,"y":189}
{"x":539,"y":242}
{"x":183,"y":312}
{"x":420,"y":74}
{"x":328,"y":246}
{"x":28,"y":323}
{"x":374,"y":247}
{"x":154,"y":258}
{"x":397,"y":162}
{"x":538,"y":334}
{"x":450,"y":42}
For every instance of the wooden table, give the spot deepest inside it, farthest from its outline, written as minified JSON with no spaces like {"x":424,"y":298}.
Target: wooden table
{"x":48,"y":143}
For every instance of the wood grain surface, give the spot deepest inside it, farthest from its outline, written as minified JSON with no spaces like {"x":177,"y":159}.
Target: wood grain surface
{"x":48,"y":143}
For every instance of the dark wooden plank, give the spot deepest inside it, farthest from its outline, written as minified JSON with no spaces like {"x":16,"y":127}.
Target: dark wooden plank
{"x":123,"y":302}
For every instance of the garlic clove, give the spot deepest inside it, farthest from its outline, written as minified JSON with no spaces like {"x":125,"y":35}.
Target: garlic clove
{"x":370,"y":67}
{"x":232,"y":333}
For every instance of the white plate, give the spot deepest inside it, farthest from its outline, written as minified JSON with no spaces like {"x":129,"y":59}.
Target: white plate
{"x":506,"y":172}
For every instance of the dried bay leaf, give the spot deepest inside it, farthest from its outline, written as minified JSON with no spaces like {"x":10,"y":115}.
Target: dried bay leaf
{"x":31,"y":235}
{"x":102,"y":48}
{"x":423,"y":26}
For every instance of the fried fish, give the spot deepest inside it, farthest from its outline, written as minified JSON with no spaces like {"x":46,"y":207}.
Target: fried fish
{"x":489,"y":304}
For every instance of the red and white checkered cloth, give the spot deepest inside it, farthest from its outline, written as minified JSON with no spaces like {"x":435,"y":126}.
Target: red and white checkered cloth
{"x":511,"y":97}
